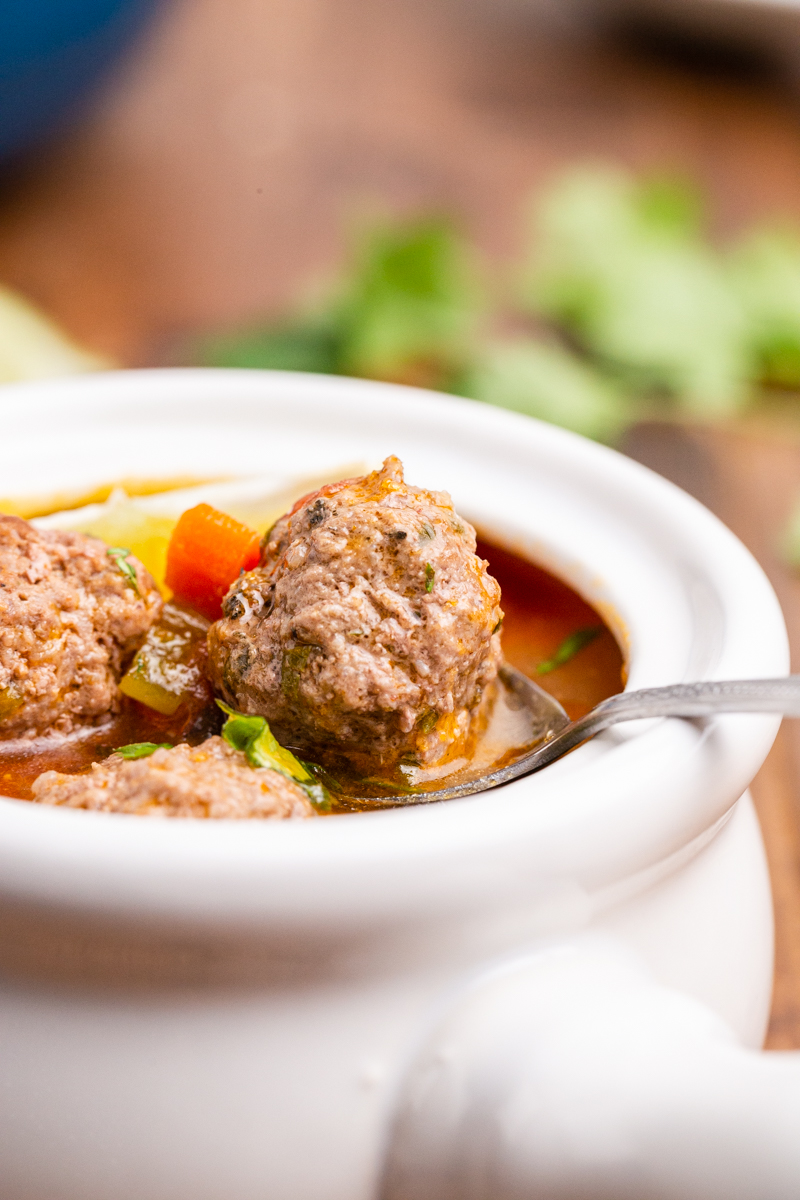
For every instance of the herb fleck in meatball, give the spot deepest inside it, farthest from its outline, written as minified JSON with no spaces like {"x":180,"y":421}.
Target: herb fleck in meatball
{"x":369,"y":627}
{"x":72,"y":616}
{"x":210,"y":780}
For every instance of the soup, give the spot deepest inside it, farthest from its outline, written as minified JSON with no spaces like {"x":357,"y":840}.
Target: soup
{"x":542,"y":615}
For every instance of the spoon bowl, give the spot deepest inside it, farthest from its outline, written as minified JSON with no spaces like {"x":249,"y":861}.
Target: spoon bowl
{"x":554,"y":735}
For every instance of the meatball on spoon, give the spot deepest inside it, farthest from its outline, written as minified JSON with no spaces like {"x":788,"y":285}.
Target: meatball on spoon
{"x":371,"y":624}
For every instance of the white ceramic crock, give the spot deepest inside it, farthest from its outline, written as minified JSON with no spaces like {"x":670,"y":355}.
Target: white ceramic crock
{"x":543,"y":991}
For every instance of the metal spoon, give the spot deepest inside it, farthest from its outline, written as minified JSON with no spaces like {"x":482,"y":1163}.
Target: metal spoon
{"x":558,"y":734}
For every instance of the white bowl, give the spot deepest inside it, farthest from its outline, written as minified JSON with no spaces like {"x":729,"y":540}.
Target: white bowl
{"x":203,"y":1010}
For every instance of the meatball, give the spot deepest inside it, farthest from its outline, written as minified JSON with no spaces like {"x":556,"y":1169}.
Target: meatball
{"x":72,"y":615}
{"x":210,"y":780}
{"x":370,"y":627}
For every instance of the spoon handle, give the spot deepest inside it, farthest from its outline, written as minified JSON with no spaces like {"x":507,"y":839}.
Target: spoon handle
{"x":702,"y":699}
{"x":706,"y":698}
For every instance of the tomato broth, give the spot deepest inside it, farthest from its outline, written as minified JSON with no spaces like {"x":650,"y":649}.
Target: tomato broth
{"x":549,"y":632}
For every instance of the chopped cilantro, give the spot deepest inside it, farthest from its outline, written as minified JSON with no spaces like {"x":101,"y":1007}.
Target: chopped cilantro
{"x":569,"y":648}
{"x":430,"y":575}
{"x":428,"y":720}
{"x":292,"y":666}
{"x":637,"y":312}
{"x":141,"y":749}
{"x":389,"y":785}
{"x":407,"y":308}
{"x":253,"y":736}
{"x":121,"y":554}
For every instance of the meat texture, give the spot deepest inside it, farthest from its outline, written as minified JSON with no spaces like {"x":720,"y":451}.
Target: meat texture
{"x":209,"y":780}
{"x":370,"y":626}
{"x":72,"y":615}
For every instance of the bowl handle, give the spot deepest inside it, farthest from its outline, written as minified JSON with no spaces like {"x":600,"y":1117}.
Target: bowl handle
{"x":572,"y":1075}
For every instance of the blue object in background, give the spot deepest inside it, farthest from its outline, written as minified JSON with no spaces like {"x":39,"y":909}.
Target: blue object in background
{"x":51,"y":53}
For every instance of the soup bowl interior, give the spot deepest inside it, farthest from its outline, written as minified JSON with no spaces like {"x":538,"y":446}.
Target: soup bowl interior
{"x":683,"y":596}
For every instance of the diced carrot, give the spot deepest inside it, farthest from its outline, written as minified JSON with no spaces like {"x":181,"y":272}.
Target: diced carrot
{"x":207,"y":552}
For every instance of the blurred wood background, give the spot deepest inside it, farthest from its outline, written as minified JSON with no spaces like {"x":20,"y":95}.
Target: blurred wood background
{"x":214,"y":177}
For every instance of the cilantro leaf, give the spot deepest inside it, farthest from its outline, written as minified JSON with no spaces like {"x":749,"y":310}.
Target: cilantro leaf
{"x":141,"y":749}
{"x":253,"y":736}
{"x":310,"y":344}
{"x":405,"y":308}
{"x":411,"y":298}
{"x":571,"y":646}
{"x":549,"y":383}
{"x":120,"y":555}
{"x":622,"y":264}
{"x":765,"y":274}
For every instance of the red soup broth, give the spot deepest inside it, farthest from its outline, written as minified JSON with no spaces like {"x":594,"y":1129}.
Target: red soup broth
{"x":540,"y":613}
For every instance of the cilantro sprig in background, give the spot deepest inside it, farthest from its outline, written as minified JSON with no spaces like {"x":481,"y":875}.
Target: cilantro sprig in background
{"x":620,"y":305}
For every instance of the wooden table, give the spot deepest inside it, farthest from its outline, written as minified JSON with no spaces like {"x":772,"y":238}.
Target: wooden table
{"x":213,"y":179}
{"x":750,"y":476}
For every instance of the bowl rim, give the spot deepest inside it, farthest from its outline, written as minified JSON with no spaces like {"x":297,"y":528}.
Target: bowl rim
{"x":577,"y":825}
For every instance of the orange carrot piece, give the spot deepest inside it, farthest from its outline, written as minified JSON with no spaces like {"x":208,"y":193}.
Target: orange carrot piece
{"x":207,"y":551}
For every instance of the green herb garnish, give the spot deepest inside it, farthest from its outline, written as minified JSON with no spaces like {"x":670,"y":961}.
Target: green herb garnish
{"x":638,"y":313}
{"x":428,"y":720}
{"x":321,"y":775}
{"x":141,"y":749}
{"x":121,"y":554}
{"x":624,"y":264}
{"x":569,"y":648}
{"x":427,"y":533}
{"x":552,"y":384}
{"x":293,"y":664}
{"x":253,"y":736}
{"x":407,"y":307}
{"x":388,"y":785}
{"x":430,"y":575}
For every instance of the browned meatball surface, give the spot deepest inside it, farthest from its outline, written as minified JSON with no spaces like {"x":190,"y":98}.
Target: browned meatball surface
{"x":70,"y":621}
{"x":370,"y":626}
{"x":209,"y":780}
